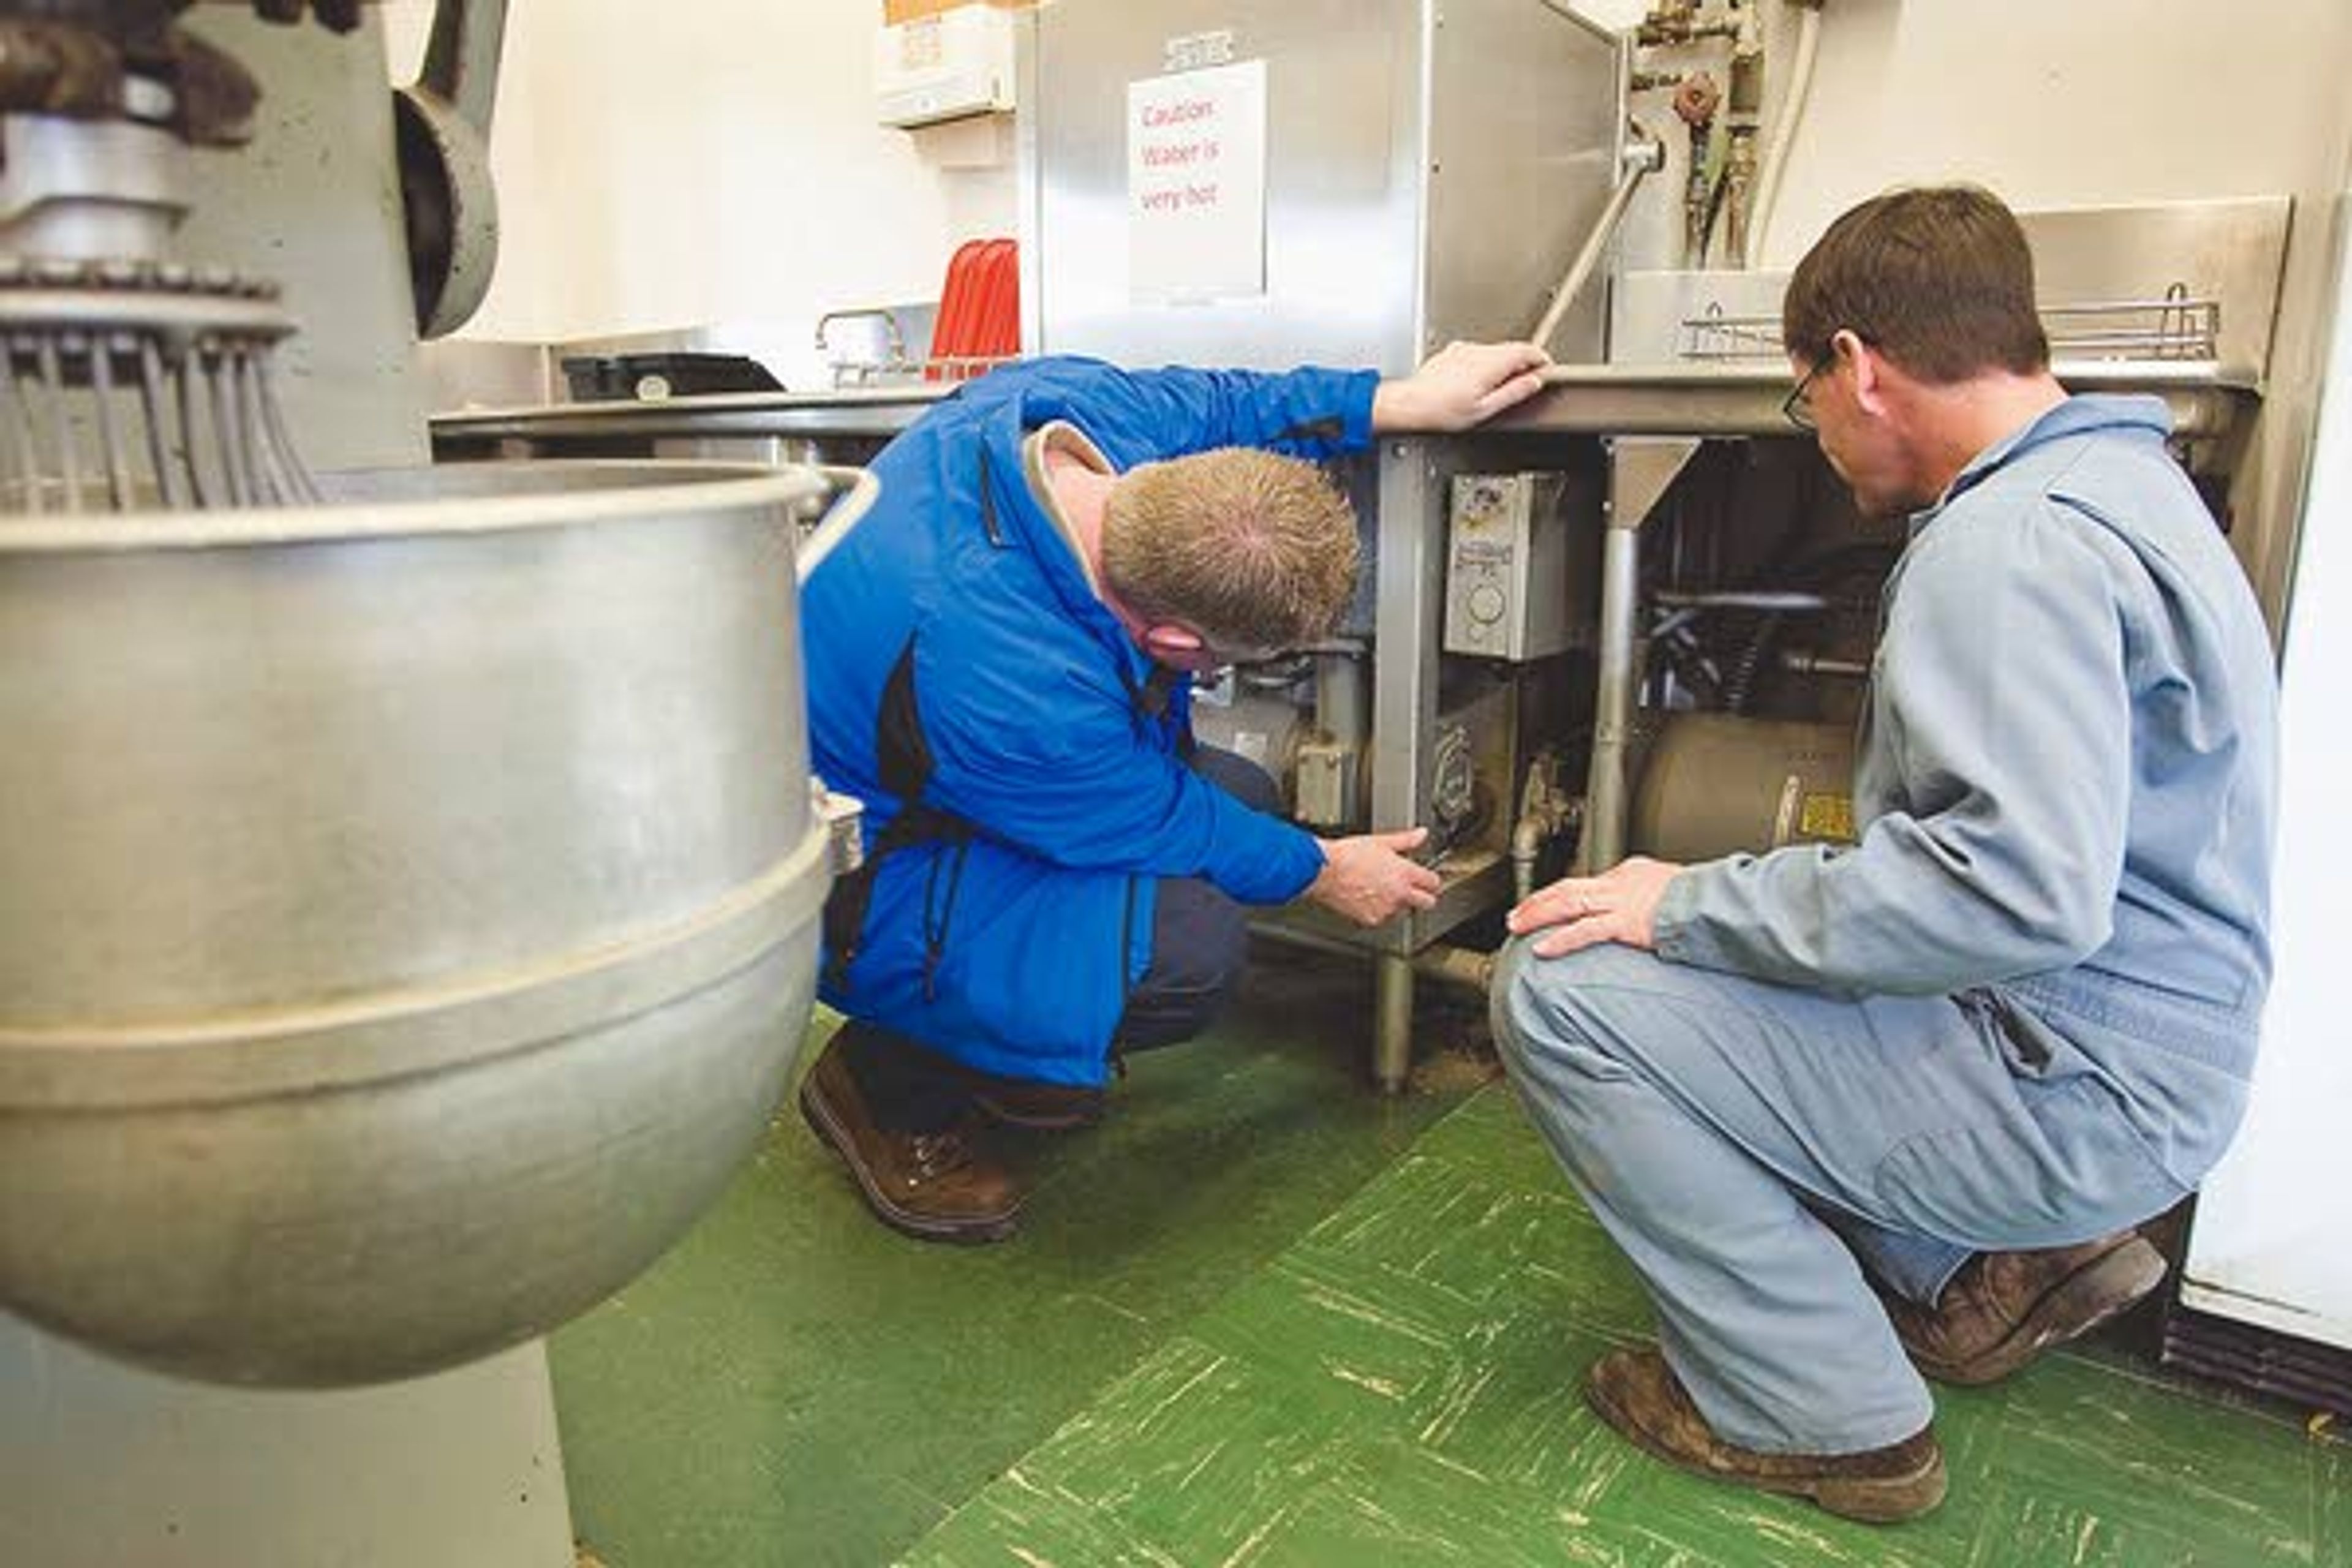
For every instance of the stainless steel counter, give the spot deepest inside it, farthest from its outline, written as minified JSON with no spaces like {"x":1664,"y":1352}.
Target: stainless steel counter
{"x":1702,"y":400}
{"x":1744,"y":399}
{"x":863,"y":414}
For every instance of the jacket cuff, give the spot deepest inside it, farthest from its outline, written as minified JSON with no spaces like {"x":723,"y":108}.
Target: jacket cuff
{"x":1675,"y":930}
{"x":1356,"y":408}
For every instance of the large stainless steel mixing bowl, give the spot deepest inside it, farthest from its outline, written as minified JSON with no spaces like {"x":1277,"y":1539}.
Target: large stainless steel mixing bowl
{"x":408,"y":907}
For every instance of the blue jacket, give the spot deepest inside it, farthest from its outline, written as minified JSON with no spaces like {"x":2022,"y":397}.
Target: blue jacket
{"x":2067,"y":788}
{"x":963,"y":675}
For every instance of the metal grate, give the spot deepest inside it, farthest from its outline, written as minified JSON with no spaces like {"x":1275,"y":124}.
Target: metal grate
{"x":2309,"y":1374}
{"x":2179,"y":326}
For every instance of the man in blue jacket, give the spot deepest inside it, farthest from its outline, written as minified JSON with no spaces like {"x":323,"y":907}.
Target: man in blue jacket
{"x":999,"y":663}
{"x":1857,"y":1115}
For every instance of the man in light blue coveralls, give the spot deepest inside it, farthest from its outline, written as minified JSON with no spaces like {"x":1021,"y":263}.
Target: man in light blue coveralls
{"x":1857,"y":1114}
{"x":999,"y":659}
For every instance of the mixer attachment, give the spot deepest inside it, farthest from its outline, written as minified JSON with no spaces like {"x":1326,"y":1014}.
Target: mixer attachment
{"x":133,"y":385}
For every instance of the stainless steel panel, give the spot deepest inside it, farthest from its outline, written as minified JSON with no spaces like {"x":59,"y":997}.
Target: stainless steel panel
{"x":1343,"y":188}
{"x":1523,"y":134}
{"x":1648,"y":308}
{"x":2233,"y":251}
{"x":1429,"y":172}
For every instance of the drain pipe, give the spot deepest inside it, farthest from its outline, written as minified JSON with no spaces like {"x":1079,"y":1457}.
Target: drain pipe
{"x":1784,"y":122}
{"x":1461,"y":968}
{"x":1743,"y":118}
{"x":1603,"y":841}
{"x":1547,"y":810}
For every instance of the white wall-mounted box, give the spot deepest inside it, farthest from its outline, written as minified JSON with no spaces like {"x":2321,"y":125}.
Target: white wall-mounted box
{"x":944,"y":66}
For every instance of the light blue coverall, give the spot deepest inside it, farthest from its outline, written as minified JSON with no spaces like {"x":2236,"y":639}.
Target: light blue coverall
{"x":2020,"y":1012}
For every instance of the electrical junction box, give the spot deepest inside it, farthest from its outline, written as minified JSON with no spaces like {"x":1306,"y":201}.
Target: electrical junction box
{"x":1512,"y":587}
{"x":945,"y":65}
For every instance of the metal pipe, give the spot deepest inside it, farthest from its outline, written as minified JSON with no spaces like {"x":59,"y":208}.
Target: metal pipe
{"x":1462,"y":968}
{"x":1743,"y":118}
{"x":1797,"y":661}
{"x":1698,"y":199}
{"x":1775,"y":161}
{"x":1546,"y":811}
{"x":1603,"y":843}
{"x":1741,"y":599}
{"x":1644,"y":156}
{"x":1738,"y":183}
{"x":1391,"y":1022}
{"x":1465,"y":967}
{"x":1696,"y":101}
{"x":1342,"y":698}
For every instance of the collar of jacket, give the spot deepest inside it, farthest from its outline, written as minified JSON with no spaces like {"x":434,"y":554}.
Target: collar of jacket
{"x":1014,"y":516}
{"x":2082,"y":414}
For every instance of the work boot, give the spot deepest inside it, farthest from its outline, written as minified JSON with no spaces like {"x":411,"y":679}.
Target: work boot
{"x":2002,"y":1309}
{"x":1038,"y":1107}
{"x":1637,"y":1393}
{"x":936,"y":1186}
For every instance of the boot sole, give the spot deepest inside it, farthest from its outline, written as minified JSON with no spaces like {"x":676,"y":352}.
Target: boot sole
{"x":922,"y":1228}
{"x":2092,"y":1295}
{"x":1876,"y":1499}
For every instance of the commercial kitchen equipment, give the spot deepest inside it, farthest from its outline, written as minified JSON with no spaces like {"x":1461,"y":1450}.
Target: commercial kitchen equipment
{"x":409,"y":877}
{"x":1408,"y":172}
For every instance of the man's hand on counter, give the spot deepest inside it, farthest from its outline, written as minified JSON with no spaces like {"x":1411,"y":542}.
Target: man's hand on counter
{"x":1460,"y":385}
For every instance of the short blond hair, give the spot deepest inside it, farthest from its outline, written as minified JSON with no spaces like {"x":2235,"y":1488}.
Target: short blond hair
{"x":1248,"y":549}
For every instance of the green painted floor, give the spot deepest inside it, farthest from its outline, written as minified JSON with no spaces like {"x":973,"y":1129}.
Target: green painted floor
{"x":1261,"y":1318}
{"x":796,"y":1385}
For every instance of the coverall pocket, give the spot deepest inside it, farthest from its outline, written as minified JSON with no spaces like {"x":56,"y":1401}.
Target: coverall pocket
{"x":2061,"y":1162}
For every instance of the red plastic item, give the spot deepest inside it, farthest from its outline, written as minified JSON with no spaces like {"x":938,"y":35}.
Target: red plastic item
{"x":980,"y":309}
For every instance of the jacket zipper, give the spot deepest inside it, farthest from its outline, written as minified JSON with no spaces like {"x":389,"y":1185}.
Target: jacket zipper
{"x":939,"y":911}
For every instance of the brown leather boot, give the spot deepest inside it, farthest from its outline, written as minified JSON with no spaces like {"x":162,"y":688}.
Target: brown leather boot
{"x":1038,"y":1107}
{"x":936,"y":1186}
{"x":1637,"y":1393}
{"x":2002,"y":1309}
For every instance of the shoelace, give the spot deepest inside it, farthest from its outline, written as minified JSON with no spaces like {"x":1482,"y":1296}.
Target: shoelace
{"x":937,"y":1153}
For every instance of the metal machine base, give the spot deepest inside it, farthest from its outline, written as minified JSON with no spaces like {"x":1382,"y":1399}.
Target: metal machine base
{"x":101,"y":1465}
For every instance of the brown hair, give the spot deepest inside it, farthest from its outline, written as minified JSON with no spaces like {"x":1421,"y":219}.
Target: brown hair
{"x":1247,"y":548}
{"x":1939,"y":279}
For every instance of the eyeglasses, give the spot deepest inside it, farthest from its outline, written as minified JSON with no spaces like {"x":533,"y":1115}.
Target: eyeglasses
{"x":1796,"y":408}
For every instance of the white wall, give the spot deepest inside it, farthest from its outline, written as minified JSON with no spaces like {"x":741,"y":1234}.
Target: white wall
{"x":705,"y":162}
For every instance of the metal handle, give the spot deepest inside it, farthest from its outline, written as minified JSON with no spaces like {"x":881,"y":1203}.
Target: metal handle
{"x":858,"y":491}
{"x":461,"y":59}
{"x":1642,"y":155}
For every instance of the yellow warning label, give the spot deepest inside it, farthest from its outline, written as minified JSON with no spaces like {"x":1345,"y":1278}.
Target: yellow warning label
{"x":1827,"y":816}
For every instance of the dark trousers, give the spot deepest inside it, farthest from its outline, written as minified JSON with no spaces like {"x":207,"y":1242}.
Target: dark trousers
{"x":1200,"y":939}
